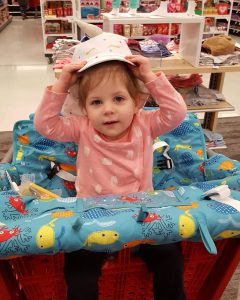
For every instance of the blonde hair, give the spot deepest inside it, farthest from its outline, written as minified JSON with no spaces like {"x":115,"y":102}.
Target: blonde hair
{"x":91,"y":77}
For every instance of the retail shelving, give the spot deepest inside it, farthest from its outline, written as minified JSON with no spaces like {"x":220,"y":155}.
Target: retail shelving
{"x":191,"y":29}
{"x":176,"y":65}
{"x":5,"y":18}
{"x":146,"y":6}
{"x":235,"y":19}
{"x":217,"y":16}
{"x":57,"y":22}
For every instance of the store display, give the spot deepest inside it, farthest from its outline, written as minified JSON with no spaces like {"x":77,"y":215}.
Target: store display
{"x":90,"y":9}
{"x":191,"y":29}
{"x":56,"y":23}
{"x":217,"y":16}
{"x":5,"y":18}
{"x":235,"y":18}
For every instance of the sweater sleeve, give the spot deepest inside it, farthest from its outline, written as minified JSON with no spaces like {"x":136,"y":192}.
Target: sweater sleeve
{"x":172,"y":106}
{"x":51,"y":124}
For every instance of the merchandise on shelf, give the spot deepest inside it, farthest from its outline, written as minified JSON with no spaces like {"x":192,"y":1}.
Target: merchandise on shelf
{"x":143,"y":30}
{"x":217,"y":15}
{"x":211,"y":7}
{"x":56,"y":23}
{"x":53,"y":27}
{"x":176,"y":6}
{"x":235,"y":18}
{"x":58,"y":9}
{"x":90,"y":9}
{"x":222,"y":8}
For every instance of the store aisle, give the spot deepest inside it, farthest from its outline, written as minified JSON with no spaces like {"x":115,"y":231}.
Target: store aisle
{"x":24,"y":73}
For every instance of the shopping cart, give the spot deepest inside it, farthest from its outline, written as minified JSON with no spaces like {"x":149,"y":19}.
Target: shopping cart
{"x":123,"y":277}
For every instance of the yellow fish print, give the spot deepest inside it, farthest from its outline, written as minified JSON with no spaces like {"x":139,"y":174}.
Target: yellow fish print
{"x":187,"y":225}
{"x":153,"y":193}
{"x":186,"y":207}
{"x":170,"y":188}
{"x":156,"y":170}
{"x":45,"y":237}
{"x":20,"y":153}
{"x":185,"y":180}
{"x":183,"y":147}
{"x":228,"y":234}
{"x":62,"y":214}
{"x":42,"y":157}
{"x":102,"y":237}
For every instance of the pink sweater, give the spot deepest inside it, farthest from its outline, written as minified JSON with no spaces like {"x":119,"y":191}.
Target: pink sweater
{"x":113,"y":167}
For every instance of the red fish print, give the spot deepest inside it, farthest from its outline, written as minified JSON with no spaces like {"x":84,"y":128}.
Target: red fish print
{"x":152,"y":217}
{"x":130,"y":199}
{"x":69,"y":185}
{"x":71,"y":152}
{"x":6,"y":234}
{"x":18,"y":204}
{"x":201,"y":168}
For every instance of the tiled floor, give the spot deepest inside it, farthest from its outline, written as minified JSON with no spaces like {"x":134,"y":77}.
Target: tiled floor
{"x":24,"y":72}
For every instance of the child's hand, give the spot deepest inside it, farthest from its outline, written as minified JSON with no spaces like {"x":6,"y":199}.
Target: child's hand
{"x":142,"y":68}
{"x":68,"y":77}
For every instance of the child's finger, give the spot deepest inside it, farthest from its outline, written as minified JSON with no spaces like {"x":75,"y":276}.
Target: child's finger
{"x":74,"y":67}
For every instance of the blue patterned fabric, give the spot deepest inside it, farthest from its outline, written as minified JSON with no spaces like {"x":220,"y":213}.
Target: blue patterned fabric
{"x":175,"y":211}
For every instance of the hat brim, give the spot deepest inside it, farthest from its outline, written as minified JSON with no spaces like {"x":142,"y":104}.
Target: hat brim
{"x":101,"y":59}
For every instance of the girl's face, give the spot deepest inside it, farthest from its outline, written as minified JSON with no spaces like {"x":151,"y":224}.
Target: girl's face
{"x":110,"y":108}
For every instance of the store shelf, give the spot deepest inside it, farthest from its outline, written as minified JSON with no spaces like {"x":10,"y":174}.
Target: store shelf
{"x":235,"y":29}
{"x":220,"y":106}
{"x":191,"y":29}
{"x":235,"y":18}
{"x":52,"y":18}
{"x":227,"y":17}
{"x":5,"y":19}
{"x":92,"y":21}
{"x":215,"y":14}
{"x":59,"y":34}
{"x":215,"y":32}
{"x":176,"y":65}
{"x":4,"y":24}
{"x":55,"y":19}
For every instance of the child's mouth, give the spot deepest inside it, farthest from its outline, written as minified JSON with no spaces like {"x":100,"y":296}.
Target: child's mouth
{"x":110,"y":122}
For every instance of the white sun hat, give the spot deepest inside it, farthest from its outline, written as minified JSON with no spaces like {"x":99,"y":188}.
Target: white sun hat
{"x":101,"y":48}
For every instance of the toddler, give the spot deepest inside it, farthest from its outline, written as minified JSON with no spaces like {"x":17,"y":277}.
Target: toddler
{"x":114,"y":136}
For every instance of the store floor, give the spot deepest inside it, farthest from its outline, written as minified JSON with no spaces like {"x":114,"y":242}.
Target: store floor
{"x":24,"y":73}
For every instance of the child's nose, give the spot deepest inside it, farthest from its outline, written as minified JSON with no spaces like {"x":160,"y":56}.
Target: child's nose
{"x":108,"y":108}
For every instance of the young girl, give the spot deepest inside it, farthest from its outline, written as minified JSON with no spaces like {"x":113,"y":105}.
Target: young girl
{"x":114,"y":136}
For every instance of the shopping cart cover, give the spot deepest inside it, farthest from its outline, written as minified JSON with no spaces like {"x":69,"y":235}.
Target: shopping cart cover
{"x":114,"y":222}
{"x":176,"y":210}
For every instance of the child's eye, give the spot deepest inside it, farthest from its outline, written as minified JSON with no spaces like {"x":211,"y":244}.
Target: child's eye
{"x":118,"y":99}
{"x":96,"y":102}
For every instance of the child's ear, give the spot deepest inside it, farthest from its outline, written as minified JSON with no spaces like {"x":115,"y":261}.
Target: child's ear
{"x":140,"y":102}
{"x":84,"y":112}
{"x":136,"y":108}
